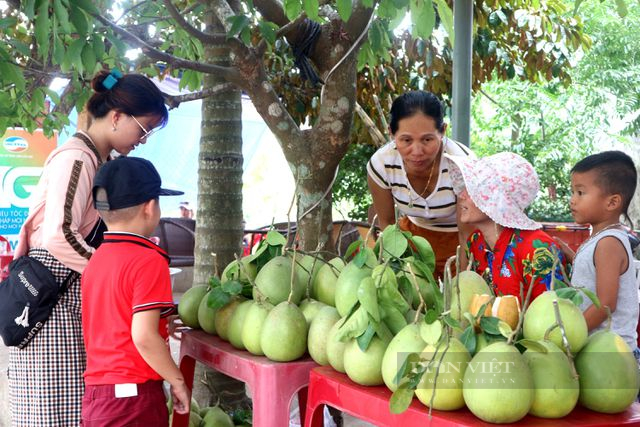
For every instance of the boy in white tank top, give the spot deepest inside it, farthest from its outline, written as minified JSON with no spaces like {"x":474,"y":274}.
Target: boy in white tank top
{"x":602,"y":187}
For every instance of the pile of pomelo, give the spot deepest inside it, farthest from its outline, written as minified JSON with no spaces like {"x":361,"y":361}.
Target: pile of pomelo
{"x":379,"y":316}
{"x":209,"y":416}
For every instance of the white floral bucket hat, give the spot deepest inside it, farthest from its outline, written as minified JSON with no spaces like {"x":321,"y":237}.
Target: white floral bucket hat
{"x":501,"y":186}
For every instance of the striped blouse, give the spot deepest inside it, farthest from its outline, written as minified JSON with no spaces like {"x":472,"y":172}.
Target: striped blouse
{"x":435,"y":212}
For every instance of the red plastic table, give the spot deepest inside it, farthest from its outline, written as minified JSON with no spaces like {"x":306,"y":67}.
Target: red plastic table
{"x":272,"y":384}
{"x":371,"y":404}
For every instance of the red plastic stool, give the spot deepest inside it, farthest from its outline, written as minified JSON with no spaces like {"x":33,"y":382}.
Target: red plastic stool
{"x":272,"y":384}
{"x":371,"y":404}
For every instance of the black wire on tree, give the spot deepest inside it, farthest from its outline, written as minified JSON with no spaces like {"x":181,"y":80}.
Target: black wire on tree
{"x":302,"y":49}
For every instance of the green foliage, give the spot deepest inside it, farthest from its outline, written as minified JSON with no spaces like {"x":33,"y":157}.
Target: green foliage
{"x":351,"y":183}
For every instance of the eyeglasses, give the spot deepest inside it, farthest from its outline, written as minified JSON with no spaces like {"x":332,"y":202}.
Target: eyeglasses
{"x":147,"y":133}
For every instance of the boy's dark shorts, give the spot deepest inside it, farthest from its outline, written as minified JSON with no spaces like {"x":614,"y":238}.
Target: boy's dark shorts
{"x":101,"y":407}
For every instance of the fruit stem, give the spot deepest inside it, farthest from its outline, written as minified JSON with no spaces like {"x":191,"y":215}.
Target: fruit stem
{"x":448,"y":287}
{"x":525,"y":305}
{"x":565,"y":340}
{"x":293,"y":274}
{"x":470,"y":261}
{"x":215,"y":265}
{"x":422,"y":303}
{"x":371,"y":229}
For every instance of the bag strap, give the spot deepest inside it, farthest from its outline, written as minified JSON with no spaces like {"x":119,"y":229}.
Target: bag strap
{"x":65,"y":285}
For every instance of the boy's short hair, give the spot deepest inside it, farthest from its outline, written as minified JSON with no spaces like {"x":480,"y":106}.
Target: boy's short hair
{"x":114,"y":215}
{"x":616,"y":174}
{"x":127,"y":182}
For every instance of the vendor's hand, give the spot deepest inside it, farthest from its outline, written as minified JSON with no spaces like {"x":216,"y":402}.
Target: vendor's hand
{"x":564,"y":247}
{"x":181,"y":396}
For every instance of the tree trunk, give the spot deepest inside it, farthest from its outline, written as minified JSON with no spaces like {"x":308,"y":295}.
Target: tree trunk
{"x":219,"y":227}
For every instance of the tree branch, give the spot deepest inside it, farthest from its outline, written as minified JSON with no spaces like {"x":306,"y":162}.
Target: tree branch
{"x":272,"y":10}
{"x":227,"y":73}
{"x":174,"y":101}
{"x":200,"y":35}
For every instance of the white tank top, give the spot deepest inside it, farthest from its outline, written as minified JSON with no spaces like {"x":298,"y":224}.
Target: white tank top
{"x":624,"y":319}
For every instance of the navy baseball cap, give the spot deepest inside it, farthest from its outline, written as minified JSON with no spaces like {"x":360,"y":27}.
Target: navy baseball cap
{"x":128,"y":181}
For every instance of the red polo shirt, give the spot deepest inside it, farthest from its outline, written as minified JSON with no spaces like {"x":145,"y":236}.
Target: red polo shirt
{"x":127,"y":274}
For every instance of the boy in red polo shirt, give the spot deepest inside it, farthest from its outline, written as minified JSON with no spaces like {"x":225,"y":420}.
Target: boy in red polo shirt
{"x":126,"y":296}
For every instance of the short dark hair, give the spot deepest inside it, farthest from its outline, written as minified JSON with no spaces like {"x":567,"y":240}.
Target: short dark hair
{"x":132,"y":94}
{"x":412,"y":102}
{"x":616,"y":172}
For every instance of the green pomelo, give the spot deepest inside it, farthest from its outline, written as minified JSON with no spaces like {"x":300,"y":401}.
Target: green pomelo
{"x":540,"y":316}
{"x":407,"y":341}
{"x":483,"y":340}
{"x":233,"y":271}
{"x":207,"y":316}
{"x":274,"y":281}
{"x":394,"y":319}
{"x":216,"y":417}
{"x":609,"y":377}
{"x":324,"y":284}
{"x":194,"y":419}
{"x":252,"y":328}
{"x":498,"y":387}
{"x":189,"y":304}
{"x":223,"y":317}
{"x":335,"y":347}
{"x":556,"y":390}
{"x":236,"y":323}
{"x":319,"y":333}
{"x":426,"y":291}
{"x":310,"y":309}
{"x":470,"y":283}
{"x":284,"y":333}
{"x":443,"y":379}
{"x":347,"y":287}
{"x":307,"y":268}
{"x":365,"y":367}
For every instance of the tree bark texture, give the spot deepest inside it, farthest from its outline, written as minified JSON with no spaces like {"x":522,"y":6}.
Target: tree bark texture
{"x":219,"y":227}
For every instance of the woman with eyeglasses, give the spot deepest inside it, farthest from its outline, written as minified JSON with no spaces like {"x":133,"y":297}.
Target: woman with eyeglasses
{"x":62,"y":231}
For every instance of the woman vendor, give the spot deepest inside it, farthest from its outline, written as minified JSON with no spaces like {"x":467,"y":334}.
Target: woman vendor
{"x":411,"y":174}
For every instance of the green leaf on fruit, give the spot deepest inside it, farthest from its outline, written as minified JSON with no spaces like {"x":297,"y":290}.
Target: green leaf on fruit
{"x":431,"y":332}
{"x":275,"y":238}
{"x":218,"y":298}
{"x":400,"y":400}
{"x":365,"y":339}
{"x":489,"y":325}
{"x":393,"y":242}
{"x":367,"y":295}
{"x":468,"y":339}
{"x":232,"y":287}
{"x":504,"y":328}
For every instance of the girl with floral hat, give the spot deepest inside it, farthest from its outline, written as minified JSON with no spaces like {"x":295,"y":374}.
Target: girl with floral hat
{"x":508,"y":248}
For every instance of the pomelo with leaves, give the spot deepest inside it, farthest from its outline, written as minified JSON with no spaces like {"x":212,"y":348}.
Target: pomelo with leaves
{"x":405,"y":342}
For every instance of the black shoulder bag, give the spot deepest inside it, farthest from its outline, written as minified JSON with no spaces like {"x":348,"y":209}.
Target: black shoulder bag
{"x":27,"y":298}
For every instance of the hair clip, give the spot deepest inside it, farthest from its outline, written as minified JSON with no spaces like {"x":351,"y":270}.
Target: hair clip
{"x":111,"y":80}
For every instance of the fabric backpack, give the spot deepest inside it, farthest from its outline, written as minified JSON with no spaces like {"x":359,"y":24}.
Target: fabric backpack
{"x":27,"y":298}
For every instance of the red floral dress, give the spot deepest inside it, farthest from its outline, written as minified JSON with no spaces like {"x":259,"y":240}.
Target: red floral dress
{"x":518,"y":256}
